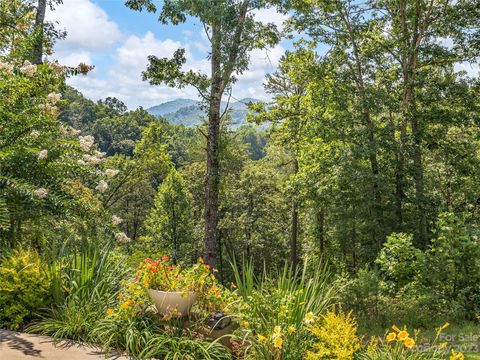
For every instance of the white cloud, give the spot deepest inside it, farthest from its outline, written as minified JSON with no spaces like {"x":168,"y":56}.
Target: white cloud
{"x":131,"y":60}
{"x":262,"y":62}
{"x":69,"y":58}
{"x":92,"y":35}
{"x":270,"y":15}
{"x":124,"y":80}
{"x":87,"y":24}
{"x":471,"y":69}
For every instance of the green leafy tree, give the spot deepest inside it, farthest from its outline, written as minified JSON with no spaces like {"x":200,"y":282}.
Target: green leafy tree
{"x":453,"y":258}
{"x":232,"y":32}
{"x":399,"y":261}
{"x":170,"y":225}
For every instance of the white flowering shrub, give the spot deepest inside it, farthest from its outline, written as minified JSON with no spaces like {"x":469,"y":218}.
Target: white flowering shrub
{"x":45,"y":166}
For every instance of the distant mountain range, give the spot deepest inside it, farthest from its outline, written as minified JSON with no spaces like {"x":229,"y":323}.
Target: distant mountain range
{"x":188,"y":112}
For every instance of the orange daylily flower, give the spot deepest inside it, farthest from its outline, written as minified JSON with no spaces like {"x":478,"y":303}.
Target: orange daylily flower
{"x":391,"y":336}
{"x":403,"y":335}
{"x":409,"y":343}
{"x":394,"y":327}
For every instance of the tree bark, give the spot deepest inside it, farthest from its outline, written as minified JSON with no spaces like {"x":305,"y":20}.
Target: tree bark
{"x":399,"y":176}
{"x":367,"y":118}
{"x":212,"y":177}
{"x":37,"y":52}
{"x":409,"y":61}
{"x":419,"y":184}
{"x":220,"y":78}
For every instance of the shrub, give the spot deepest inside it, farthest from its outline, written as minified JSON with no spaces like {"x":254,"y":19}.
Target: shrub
{"x":85,"y":285}
{"x":275,"y":309}
{"x":454,"y":267}
{"x":144,"y":336}
{"x":336,"y":336}
{"x":399,"y":261}
{"x":362,"y":294}
{"x":24,"y":287}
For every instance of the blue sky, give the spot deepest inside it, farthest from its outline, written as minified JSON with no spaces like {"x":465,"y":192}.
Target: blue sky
{"x":118,"y":40}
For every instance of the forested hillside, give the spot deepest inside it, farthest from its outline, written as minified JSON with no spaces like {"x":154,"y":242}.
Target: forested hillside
{"x":347,"y":203}
{"x":191,"y":113}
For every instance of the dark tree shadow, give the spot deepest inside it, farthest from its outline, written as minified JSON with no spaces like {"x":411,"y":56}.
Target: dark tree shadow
{"x":15,"y":342}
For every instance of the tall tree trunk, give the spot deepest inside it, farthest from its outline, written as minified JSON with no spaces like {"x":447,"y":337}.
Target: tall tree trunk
{"x":375,"y":209}
{"x":212,"y":177}
{"x":399,"y":176}
{"x":419,"y":184}
{"x":412,"y":39}
{"x":358,"y":70}
{"x":37,"y":52}
{"x":294,"y":235}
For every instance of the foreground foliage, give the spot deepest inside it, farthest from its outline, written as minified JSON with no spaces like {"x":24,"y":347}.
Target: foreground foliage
{"x":24,"y":287}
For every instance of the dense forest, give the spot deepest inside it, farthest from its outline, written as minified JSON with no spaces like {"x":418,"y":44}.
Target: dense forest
{"x":361,"y":170}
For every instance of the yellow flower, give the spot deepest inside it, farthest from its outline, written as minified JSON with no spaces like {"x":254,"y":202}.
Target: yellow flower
{"x":124,"y":305}
{"x":261,"y":338}
{"x":277,"y":331}
{"x":394,"y":327}
{"x":291,"y":329}
{"x":309,"y":318}
{"x":457,"y":356}
{"x":444,"y":326}
{"x":277,"y":342}
{"x":409,"y":343}
{"x":403,"y":335}
{"x":131,"y":286}
{"x":109,"y":312}
{"x":391,"y":336}
{"x":245,"y":324}
{"x":145,"y":283}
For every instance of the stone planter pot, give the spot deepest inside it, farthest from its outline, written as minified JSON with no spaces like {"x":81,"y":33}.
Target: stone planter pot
{"x":166,"y":301}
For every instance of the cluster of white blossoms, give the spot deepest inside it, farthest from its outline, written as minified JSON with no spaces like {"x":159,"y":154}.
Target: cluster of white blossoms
{"x":68,"y":130}
{"x":42,"y":193}
{"x":100,"y":154}
{"x":111,"y":172}
{"x":6,"y":67}
{"x":42,"y":154}
{"x":102,"y":186}
{"x":35,"y":133}
{"x":49,"y":109}
{"x":122,"y":237}
{"x":53,"y":98}
{"x":28,"y":68}
{"x":74,"y":132}
{"x":116,"y":220}
{"x":57,"y":68}
{"x":91,"y":159}
{"x":86,"y":142}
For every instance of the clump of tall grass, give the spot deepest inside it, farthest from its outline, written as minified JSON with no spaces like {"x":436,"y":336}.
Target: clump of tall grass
{"x":84,"y":286}
{"x":275,"y":308}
